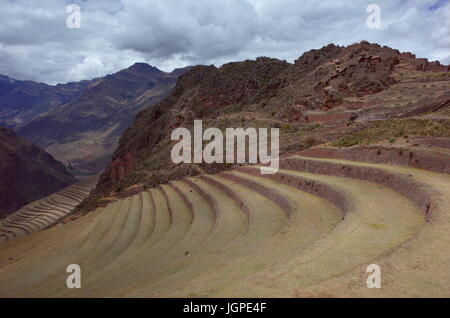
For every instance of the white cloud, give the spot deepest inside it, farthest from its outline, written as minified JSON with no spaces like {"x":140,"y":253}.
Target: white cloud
{"x":36,"y":44}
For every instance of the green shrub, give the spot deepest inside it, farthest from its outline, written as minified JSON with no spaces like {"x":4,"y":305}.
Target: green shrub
{"x":348,"y":141}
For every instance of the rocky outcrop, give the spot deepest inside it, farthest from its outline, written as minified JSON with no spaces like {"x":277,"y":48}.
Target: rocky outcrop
{"x":121,"y":166}
{"x":358,"y":70}
{"x":427,"y":66}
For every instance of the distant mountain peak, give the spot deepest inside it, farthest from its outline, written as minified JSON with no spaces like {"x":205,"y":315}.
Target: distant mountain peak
{"x":144,"y":67}
{"x":4,"y":78}
{"x":98,"y":116}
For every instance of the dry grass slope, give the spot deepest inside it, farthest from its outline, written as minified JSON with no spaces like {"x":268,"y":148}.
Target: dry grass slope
{"x":309,"y":230}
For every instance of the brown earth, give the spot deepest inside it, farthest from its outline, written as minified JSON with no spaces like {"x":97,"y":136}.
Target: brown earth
{"x":27,"y":173}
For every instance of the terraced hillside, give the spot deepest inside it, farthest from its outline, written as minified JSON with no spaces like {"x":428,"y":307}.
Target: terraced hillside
{"x":309,"y":230}
{"x":364,"y":93}
{"x":41,"y":214}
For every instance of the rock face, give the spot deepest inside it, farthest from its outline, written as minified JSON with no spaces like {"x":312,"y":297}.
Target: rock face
{"x":27,"y":172}
{"x":358,"y":70}
{"x":85,"y":131}
{"x":120,"y":167}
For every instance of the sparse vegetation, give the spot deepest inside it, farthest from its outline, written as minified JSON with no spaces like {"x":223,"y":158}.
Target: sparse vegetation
{"x":348,"y":141}
{"x":394,"y":128}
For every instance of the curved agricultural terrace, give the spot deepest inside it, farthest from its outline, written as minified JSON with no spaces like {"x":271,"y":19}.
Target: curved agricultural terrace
{"x":309,"y":230}
{"x":41,"y":214}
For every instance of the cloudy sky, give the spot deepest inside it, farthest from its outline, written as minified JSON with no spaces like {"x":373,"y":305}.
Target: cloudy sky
{"x":37,"y":44}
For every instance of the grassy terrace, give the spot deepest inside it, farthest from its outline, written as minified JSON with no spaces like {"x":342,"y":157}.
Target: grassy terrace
{"x":390,"y":130}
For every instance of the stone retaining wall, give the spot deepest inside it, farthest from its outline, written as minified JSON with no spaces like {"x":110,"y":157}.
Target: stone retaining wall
{"x":429,"y":160}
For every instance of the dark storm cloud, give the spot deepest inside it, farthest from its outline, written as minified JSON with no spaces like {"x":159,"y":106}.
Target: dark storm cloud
{"x":198,"y":30}
{"x":36,"y":44}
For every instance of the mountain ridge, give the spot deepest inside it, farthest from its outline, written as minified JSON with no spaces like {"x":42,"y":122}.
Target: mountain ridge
{"x":84,"y":132}
{"x":22,"y":101}
{"x":27,"y":172}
